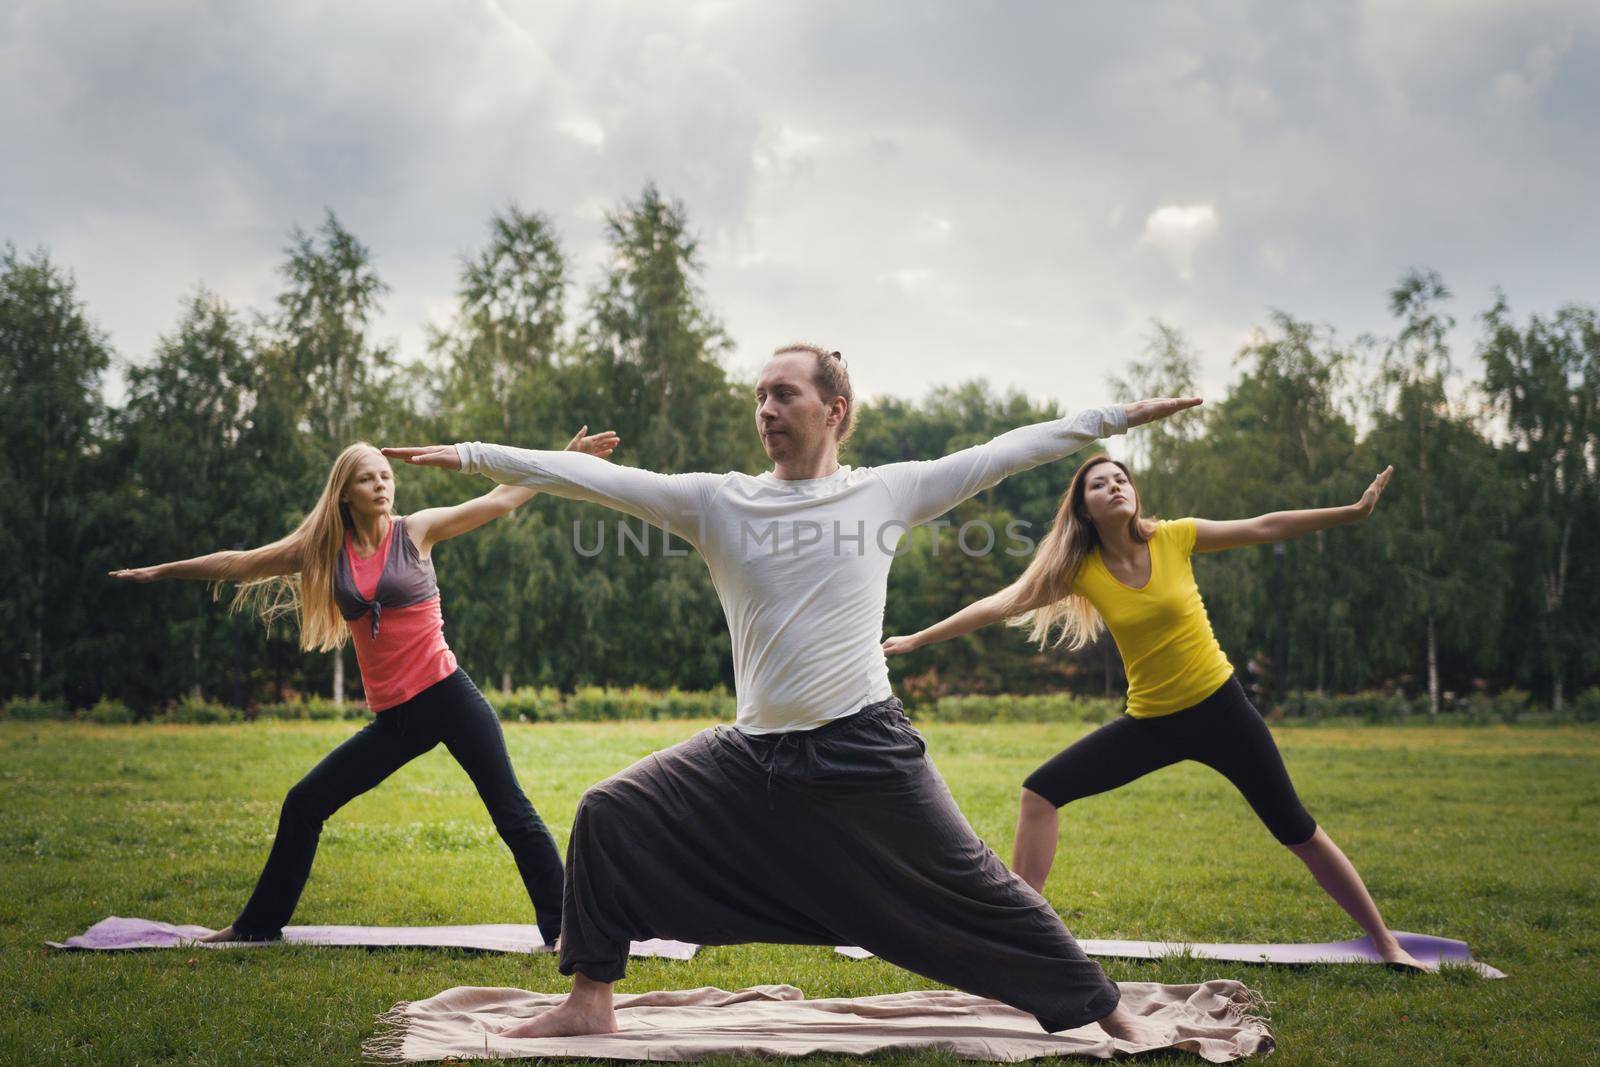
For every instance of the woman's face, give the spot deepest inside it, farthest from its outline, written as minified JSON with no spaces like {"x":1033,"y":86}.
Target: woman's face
{"x":370,"y":490}
{"x":1109,"y":496}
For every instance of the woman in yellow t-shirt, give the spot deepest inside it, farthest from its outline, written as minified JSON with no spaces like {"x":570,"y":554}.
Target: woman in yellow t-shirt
{"x":1104,"y":565}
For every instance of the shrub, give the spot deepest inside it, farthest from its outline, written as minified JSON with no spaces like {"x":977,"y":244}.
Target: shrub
{"x":526,"y":703}
{"x":1586,"y":705}
{"x":27,"y":709}
{"x":198,"y":710}
{"x":591,"y":703}
{"x":109,"y":710}
{"x":1371,"y":705}
{"x":1007,"y":707}
{"x":1376,"y":706}
{"x":1508,"y":705}
{"x":717,"y":703}
{"x":321,"y":709}
{"x":282,"y":709}
{"x":318,"y":709}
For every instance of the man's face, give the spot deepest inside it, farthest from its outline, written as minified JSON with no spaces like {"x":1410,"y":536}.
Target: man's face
{"x":790,"y":414}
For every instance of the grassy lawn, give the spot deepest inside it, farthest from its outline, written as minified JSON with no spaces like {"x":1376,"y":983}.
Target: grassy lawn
{"x":1487,"y":834}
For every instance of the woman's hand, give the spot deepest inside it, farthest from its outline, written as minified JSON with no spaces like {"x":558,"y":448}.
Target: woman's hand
{"x":600,"y":444}
{"x":138,"y":574}
{"x":1369,"y":499}
{"x":895,"y":646}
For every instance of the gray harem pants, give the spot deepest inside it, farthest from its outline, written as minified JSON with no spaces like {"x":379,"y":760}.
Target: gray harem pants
{"x":841,"y":835}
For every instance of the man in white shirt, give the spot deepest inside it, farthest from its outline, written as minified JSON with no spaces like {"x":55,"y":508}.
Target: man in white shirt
{"x":817,"y":818}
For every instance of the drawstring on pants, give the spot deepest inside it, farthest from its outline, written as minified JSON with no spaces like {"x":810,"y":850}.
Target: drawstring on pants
{"x":798,"y":737}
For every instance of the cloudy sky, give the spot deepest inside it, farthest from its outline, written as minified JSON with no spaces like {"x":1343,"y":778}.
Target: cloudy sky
{"x":942,"y":190}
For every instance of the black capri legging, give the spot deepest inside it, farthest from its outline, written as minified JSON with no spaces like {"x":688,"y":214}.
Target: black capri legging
{"x":1224,"y":731}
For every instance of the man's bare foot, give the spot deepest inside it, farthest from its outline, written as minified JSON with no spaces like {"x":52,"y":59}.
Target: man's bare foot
{"x":573,"y":1017}
{"x":224,"y":934}
{"x":1123,"y":1025}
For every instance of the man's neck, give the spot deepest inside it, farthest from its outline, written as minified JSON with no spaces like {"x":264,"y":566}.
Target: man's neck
{"x":818,"y":466}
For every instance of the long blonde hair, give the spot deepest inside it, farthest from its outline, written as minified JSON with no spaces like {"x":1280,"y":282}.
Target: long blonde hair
{"x":318,"y":540}
{"x":1042,"y":598}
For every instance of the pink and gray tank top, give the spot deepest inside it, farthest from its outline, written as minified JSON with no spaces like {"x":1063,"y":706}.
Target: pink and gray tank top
{"x":394,"y":617}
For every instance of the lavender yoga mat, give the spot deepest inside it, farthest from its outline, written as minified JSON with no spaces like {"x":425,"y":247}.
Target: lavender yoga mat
{"x":117,"y":934}
{"x":1428,"y":949}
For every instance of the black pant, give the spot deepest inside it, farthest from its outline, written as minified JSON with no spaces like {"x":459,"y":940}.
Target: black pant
{"x":1224,"y":731}
{"x":452,"y":711}
{"x":841,"y":835}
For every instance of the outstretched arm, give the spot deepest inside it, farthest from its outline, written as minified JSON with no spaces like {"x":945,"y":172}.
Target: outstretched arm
{"x":432,"y":525}
{"x":280,"y":557}
{"x":673,"y":502}
{"x":1214,"y":536}
{"x":974,"y":616}
{"x":928,"y":488}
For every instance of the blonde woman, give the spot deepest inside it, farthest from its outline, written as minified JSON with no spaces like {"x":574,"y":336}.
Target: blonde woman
{"x":355,"y":570}
{"x":1104,"y":565}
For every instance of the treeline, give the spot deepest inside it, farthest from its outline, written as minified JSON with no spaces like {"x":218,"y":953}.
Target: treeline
{"x":1478,"y":572}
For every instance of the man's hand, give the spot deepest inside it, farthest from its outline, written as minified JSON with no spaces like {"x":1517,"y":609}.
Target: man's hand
{"x":599,"y":444}
{"x":444,"y":456}
{"x":1369,"y":499}
{"x":1144,"y":411}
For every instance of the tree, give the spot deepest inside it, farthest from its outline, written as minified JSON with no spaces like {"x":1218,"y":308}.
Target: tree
{"x":500,"y":357}
{"x":647,"y":364}
{"x":507,"y":334}
{"x":979,"y":547}
{"x":652,"y":348}
{"x":51,"y":418}
{"x":204,"y":460}
{"x":1168,"y":368}
{"x":1416,"y":369}
{"x":1545,"y":382}
{"x":1281,"y":439}
{"x":321,"y":353}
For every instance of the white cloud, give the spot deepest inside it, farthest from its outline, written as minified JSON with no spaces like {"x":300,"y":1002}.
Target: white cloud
{"x":934,"y":229}
{"x":1178,"y":230}
{"x":785,"y":152}
{"x":585,"y":131}
{"x":912,"y":281}
{"x":1273,"y":257}
{"x":1531,"y":77}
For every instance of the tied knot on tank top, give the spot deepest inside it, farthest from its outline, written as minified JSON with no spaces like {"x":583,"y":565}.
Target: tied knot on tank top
{"x":406,"y":579}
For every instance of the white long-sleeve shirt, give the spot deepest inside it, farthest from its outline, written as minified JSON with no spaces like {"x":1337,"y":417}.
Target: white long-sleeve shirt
{"x":801,"y":566}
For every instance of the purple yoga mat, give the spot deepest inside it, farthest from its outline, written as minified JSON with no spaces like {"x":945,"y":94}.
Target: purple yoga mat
{"x":117,"y":934}
{"x":1424,"y":947}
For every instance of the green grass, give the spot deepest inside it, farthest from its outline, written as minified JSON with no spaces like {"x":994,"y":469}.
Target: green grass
{"x":1487,"y":834}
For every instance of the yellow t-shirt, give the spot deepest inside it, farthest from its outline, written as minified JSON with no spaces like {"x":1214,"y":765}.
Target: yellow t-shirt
{"x":1171,"y":656}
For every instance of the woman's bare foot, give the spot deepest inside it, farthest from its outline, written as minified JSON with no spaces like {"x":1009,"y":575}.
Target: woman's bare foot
{"x":1399,"y":959}
{"x":1123,"y":1025}
{"x":224,"y":934}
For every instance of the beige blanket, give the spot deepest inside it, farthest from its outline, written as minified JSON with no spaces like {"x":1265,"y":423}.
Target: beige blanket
{"x":1217,"y":1020}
